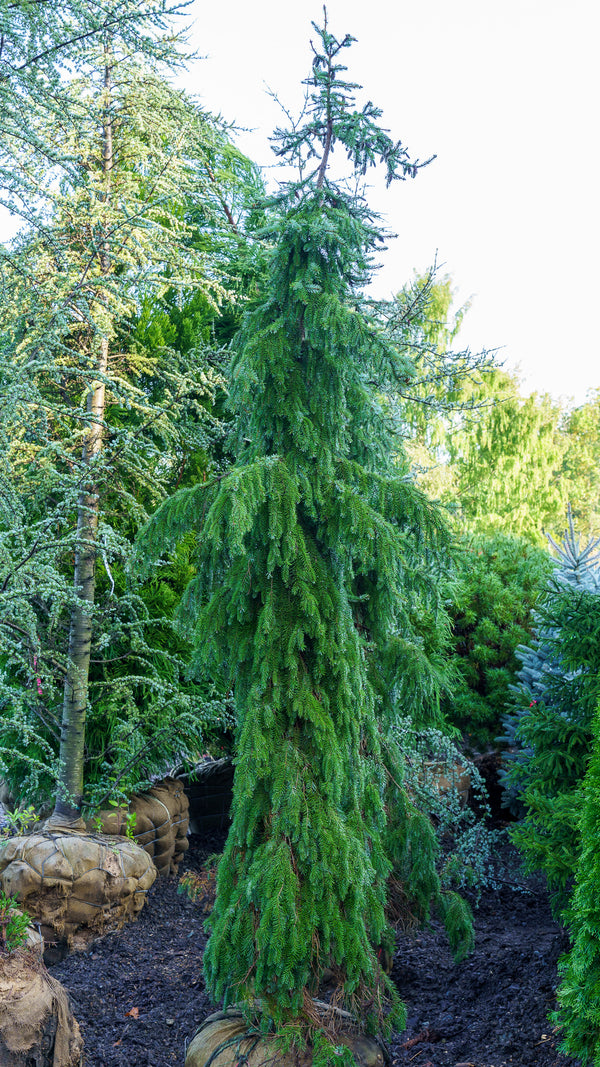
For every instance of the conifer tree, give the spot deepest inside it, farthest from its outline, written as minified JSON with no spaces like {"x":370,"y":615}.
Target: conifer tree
{"x":305,"y":556}
{"x":581,"y":463}
{"x":507,"y":461}
{"x":555,"y":706}
{"x":99,"y":157}
{"x":493,"y":586}
{"x":578,"y":1015}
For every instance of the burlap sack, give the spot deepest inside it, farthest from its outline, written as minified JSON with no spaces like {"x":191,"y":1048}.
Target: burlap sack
{"x":161,"y":823}
{"x":225,"y":1040}
{"x":36,"y":1021}
{"x":76,"y":886}
{"x":442,"y":779}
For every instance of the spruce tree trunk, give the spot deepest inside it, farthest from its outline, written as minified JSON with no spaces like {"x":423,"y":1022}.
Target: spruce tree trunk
{"x":67,"y":809}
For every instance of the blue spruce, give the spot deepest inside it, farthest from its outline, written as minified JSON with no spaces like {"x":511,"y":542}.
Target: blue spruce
{"x":554,"y":706}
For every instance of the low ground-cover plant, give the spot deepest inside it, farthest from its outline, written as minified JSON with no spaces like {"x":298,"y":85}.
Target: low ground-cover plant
{"x":201,"y":886}
{"x":19,"y":822}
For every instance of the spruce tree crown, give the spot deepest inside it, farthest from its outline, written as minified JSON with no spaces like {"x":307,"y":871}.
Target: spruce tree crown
{"x":299,"y":566}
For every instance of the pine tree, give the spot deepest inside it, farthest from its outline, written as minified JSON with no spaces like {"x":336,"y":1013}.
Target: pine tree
{"x":100,"y":160}
{"x":305,"y":554}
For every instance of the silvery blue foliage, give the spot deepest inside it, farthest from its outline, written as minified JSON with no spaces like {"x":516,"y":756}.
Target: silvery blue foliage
{"x":577,"y":566}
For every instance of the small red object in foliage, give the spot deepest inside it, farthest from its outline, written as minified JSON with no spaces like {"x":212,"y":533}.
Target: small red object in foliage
{"x":38,"y":680}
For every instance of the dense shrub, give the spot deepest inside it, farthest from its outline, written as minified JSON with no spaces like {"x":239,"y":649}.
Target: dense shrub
{"x":495,"y":585}
{"x":579,"y":991}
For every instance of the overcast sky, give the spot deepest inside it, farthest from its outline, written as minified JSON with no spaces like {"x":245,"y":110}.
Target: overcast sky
{"x":506,"y":94}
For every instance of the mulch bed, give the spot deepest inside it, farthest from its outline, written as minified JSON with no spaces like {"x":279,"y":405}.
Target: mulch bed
{"x":139,"y":995}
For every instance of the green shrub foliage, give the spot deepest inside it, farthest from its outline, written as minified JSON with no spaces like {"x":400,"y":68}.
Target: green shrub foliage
{"x":465,"y":842}
{"x":495,"y":583}
{"x":579,"y":991}
{"x":436,"y":843}
{"x":306,"y":554}
{"x":14,"y":925}
{"x":555,"y":706}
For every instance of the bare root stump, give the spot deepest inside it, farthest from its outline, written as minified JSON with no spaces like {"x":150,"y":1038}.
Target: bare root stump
{"x":161,"y":823}
{"x":225,"y":1040}
{"x":37,"y":1028}
{"x":76,"y":886}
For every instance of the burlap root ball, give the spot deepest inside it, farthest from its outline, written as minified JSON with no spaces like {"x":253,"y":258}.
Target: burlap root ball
{"x":161,"y":823}
{"x":225,"y":1040}
{"x":36,"y":1021}
{"x":77,"y":886}
{"x":442,"y":779}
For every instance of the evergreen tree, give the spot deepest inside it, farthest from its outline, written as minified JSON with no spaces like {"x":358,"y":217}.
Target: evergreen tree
{"x":101,"y":160}
{"x":581,"y":464}
{"x":555,"y":705}
{"x":494,"y":457}
{"x":441,"y":398}
{"x":507,"y":461}
{"x":494,"y":584}
{"x":305,"y":552}
{"x":579,"y":991}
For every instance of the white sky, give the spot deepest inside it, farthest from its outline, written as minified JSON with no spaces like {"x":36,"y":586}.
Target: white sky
{"x":506,"y":94}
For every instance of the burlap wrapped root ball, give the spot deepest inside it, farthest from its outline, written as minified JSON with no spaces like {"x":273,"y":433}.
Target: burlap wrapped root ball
{"x":225,"y":1040}
{"x":160,"y":825}
{"x":76,"y":886}
{"x":36,"y":1021}
{"x":442,"y":779}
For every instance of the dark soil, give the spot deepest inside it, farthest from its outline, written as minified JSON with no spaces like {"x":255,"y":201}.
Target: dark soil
{"x":139,"y":994}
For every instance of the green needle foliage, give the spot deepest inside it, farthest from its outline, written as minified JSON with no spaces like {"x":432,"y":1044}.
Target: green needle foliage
{"x":559,"y":692}
{"x":579,"y":991}
{"x":495,"y":583}
{"x":305,"y":567}
{"x":121,"y":185}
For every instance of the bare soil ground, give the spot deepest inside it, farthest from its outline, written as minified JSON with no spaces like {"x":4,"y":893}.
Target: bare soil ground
{"x":139,"y":994}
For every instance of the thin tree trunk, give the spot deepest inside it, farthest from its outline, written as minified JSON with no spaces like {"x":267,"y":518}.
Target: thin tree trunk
{"x":72,"y":738}
{"x":69,"y":796}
